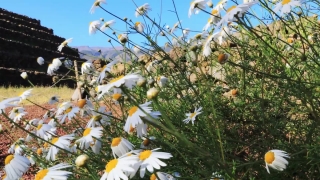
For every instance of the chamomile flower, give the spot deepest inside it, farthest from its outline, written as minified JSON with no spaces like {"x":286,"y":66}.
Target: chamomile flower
{"x":87,"y":137}
{"x":106,"y":68}
{"x":54,"y":99}
{"x":120,"y":146}
{"x":214,"y":19}
{"x":150,"y":159}
{"x":192,"y":116}
{"x":195,"y":7}
{"x":64,"y":43}
{"x":51,"y":70}
{"x":99,"y":117}
{"x":17,"y":113}
{"x":24,"y":95}
{"x":15,"y":166}
{"x":135,"y":113}
{"x":221,"y":5}
{"x":54,"y":172}
{"x":42,"y":129}
{"x":276,"y":160}
{"x":62,"y":142}
{"x":40,"y":61}
{"x":85,"y":106}
{"x":123,"y":38}
{"x":56,"y":62}
{"x":116,"y":94}
{"x":175,"y":26}
{"x":8,"y":103}
{"x":116,"y":168}
{"x":87,"y":67}
{"x":139,"y":26}
{"x":234,"y":11}
{"x":93,"y":26}
{"x":96,"y":4}
{"x":66,"y":110}
{"x":128,"y":80}
{"x":24,"y":75}
{"x":206,"y":51}
{"x":161,"y":176}
{"x":142,"y":10}
{"x":17,"y":147}
{"x":286,"y":6}
{"x":107,"y":25}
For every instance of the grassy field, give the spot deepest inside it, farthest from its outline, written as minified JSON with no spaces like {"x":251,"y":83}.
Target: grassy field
{"x":40,"y":94}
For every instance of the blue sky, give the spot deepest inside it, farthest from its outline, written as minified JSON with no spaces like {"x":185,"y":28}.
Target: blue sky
{"x":71,"y":18}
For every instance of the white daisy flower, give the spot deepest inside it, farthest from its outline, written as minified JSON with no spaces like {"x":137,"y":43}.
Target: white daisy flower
{"x":135,"y":114}
{"x":106,"y":68}
{"x":24,"y":75}
{"x":161,"y":176}
{"x":238,"y":10}
{"x":66,"y":110}
{"x":96,"y":146}
{"x":195,"y":7}
{"x":123,"y":38}
{"x":87,"y":67}
{"x":64,"y":43}
{"x":85,"y":106}
{"x":128,"y":80}
{"x":40,"y":61}
{"x":17,"y":113}
{"x":107,"y":25}
{"x":175,"y":26}
{"x":56,"y":62}
{"x":51,"y":70}
{"x":15,"y":166}
{"x":142,"y":129}
{"x":286,"y":6}
{"x":214,"y":19}
{"x":221,"y":5}
{"x":62,"y":142}
{"x":93,"y":26}
{"x":7,"y":103}
{"x":142,"y":10}
{"x":54,"y":172}
{"x":99,"y":117}
{"x":96,"y":4}
{"x":150,"y":159}
{"x":120,"y":146}
{"x":192,"y":116}
{"x":43,"y":129}
{"x":87,"y":137}
{"x":139,"y":27}
{"x":223,"y":35}
{"x":17,"y":147}
{"x":24,"y":95}
{"x":54,"y":99}
{"x":276,"y":160}
{"x":206,"y":51}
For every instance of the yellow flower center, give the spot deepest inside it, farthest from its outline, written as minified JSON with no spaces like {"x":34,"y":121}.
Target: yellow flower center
{"x":284,"y":2}
{"x":54,"y":140}
{"x":96,"y":3}
{"x":116,"y":96}
{"x":97,"y":89}
{"x":153,"y":177}
{"x":39,"y":127}
{"x":192,"y":115}
{"x":86,"y":132}
{"x":133,"y":110}
{"x":41,"y":174}
{"x":137,"y":24}
{"x":8,"y":159}
{"x":97,"y":117}
{"x":145,"y":155}
{"x":269,"y":157}
{"x":68,"y":110}
{"x":111,"y":165}
{"x":39,"y":151}
{"x":115,"y":141}
{"x":231,"y":8}
{"x":45,"y":145}
{"x":214,"y":12}
{"x":117,"y":78}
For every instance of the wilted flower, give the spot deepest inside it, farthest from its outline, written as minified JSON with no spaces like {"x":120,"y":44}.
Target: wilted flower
{"x":64,"y":43}
{"x":24,"y":75}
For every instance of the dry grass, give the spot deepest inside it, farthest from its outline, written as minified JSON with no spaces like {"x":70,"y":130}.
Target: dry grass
{"x":40,"y":94}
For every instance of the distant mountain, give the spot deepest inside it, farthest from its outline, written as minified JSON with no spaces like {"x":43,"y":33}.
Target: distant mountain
{"x":87,"y":52}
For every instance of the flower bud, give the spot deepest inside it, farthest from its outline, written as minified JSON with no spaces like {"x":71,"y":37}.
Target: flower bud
{"x":141,"y":82}
{"x":82,"y":160}
{"x":222,"y":58}
{"x":123,"y":38}
{"x":81,"y":103}
{"x":210,"y":5}
{"x":24,"y":75}
{"x":152,"y":93}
